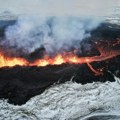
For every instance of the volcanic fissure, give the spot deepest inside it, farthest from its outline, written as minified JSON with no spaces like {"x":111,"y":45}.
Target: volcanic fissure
{"x":22,"y":77}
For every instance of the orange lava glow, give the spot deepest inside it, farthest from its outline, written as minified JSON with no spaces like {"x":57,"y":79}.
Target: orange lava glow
{"x":7,"y":61}
{"x":106,"y":52}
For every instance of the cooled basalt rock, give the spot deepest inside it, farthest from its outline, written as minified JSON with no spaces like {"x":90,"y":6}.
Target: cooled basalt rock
{"x":4,"y":24}
{"x":19,"y":83}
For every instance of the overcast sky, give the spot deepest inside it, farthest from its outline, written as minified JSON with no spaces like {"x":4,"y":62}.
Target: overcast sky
{"x":59,"y":7}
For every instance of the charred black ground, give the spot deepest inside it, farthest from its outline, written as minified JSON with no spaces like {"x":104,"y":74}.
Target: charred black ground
{"x":18,"y":84}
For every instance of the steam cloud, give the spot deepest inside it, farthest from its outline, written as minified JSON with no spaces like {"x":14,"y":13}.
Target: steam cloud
{"x":55,"y":34}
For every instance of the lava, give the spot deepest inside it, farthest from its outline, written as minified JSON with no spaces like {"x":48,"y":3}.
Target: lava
{"x":10,"y":61}
{"x":104,"y":47}
{"x":96,"y":72}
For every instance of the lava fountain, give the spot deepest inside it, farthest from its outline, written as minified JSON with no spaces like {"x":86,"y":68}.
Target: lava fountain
{"x":106,"y":49}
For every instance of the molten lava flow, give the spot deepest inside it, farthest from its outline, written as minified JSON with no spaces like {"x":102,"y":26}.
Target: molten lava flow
{"x":7,"y":61}
{"x":96,"y":72}
{"x":105,"y":48}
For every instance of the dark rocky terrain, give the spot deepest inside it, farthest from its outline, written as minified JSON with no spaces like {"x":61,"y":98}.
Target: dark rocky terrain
{"x":4,"y":24}
{"x":18,"y":84}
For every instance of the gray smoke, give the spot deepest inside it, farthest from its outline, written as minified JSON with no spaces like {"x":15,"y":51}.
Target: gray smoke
{"x":55,"y":34}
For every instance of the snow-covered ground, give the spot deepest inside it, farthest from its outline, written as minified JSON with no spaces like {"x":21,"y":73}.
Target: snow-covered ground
{"x":69,"y":101}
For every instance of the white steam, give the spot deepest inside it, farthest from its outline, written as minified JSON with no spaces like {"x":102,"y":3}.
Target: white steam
{"x":56,"y":34}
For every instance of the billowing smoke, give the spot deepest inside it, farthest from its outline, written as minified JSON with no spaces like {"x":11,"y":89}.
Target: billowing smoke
{"x":55,"y":34}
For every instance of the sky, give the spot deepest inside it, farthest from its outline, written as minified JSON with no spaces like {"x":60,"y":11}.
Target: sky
{"x":59,"y":7}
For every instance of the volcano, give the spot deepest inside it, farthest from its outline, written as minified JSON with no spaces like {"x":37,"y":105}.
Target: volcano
{"x":24,"y":77}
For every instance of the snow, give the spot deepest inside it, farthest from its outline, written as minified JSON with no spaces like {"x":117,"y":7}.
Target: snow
{"x":68,"y":101}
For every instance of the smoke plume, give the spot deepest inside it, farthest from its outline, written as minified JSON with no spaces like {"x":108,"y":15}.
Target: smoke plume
{"x":55,"y":34}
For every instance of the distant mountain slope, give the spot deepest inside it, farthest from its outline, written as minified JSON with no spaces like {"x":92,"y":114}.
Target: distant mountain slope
{"x":6,"y":15}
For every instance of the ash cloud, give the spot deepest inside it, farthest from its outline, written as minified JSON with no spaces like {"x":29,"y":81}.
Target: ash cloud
{"x":55,"y":34}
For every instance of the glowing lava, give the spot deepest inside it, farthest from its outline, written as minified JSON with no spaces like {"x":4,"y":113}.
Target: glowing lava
{"x":8,"y":61}
{"x":105,"y":48}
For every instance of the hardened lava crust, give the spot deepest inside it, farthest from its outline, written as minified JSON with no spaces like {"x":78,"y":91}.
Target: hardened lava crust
{"x":19,"y":83}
